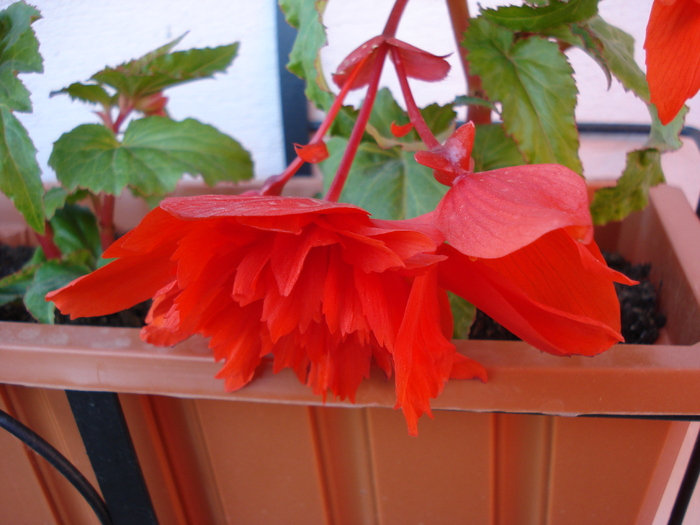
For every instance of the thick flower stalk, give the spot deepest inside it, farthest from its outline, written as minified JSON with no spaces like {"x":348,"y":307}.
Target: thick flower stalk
{"x":673,"y":54}
{"x":318,"y":285}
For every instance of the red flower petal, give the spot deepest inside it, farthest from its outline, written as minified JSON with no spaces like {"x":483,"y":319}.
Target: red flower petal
{"x":421,"y":64}
{"x":673,"y":55}
{"x":401,"y":130}
{"x":554,"y":294}
{"x":423,"y":357}
{"x":417,"y":63}
{"x":509,"y":208}
{"x":312,"y":153}
{"x":364,"y":57}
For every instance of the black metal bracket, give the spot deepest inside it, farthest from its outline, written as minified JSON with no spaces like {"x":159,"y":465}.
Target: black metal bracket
{"x":108,"y":444}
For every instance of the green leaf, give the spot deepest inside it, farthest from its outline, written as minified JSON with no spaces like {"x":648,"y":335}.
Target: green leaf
{"x":533,"y":81}
{"x":157,"y":71}
{"x":154,"y":154}
{"x":89,"y":93}
{"x":463,"y":314}
{"x":13,"y":94}
{"x":388,"y":183}
{"x":14,"y":286}
{"x":304,"y":60}
{"x":643,"y":170}
{"x":20,"y":175}
{"x":493,"y":149}
{"x":668,"y":137}
{"x":534,"y":19}
{"x":464,"y":100}
{"x":19,"y":48}
{"x":618,"y":53}
{"x":581,"y":36}
{"x":53,"y":199}
{"x":75,"y":228}
{"x":49,"y":277}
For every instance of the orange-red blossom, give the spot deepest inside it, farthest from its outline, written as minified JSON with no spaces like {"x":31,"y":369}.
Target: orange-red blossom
{"x":327,"y":291}
{"x":673,"y":54}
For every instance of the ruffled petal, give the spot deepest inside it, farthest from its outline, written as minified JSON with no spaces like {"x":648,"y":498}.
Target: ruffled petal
{"x":507,"y":209}
{"x":673,"y":55}
{"x":423,"y":357}
{"x":117,"y":286}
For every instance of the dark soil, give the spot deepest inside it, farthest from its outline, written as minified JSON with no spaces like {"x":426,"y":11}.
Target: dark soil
{"x":640,"y":318}
{"x":13,"y":258}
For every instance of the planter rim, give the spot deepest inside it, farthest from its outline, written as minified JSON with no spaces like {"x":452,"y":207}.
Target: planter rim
{"x":637,"y":380}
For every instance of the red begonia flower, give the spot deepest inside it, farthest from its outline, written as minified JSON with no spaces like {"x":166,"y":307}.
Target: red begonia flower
{"x":673,"y":54}
{"x":319,"y":285}
{"x":417,"y":63}
{"x":521,"y":249}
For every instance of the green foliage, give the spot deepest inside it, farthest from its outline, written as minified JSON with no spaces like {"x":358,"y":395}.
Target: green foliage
{"x":388,"y":183}
{"x":533,"y":81}
{"x":154,"y":154}
{"x":304,"y":61}
{"x":643,"y":170}
{"x":20,"y":175}
{"x":94,"y":160}
{"x":493,"y":149}
{"x":535,"y":19}
{"x":88,"y":93}
{"x":155,"y":72}
{"x":617,"y":50}
{"x":50,"y":276}
{"x":463,"y":314}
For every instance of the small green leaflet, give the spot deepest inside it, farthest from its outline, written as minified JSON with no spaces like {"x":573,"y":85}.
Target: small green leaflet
{"x":534,"y":19}
{"x":88,"y":93}
{"x":304,"y":61}
{"x":533,"y":81}
{"x":643,"y":170}
{"x":388,"y":183}
{"x":154,"y":154}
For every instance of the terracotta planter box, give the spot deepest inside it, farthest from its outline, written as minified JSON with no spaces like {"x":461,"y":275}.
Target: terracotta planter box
{"x":504,"y":452}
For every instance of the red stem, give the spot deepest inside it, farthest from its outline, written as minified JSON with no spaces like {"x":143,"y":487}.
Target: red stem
{"x":47,"y":243}
{"x":416,"y":117}
{"x":392,"y":22}
{"x":356,"y":136}
{"x":274,"y":185}
{"x":106,"y":221}
{"x":459,"y":16}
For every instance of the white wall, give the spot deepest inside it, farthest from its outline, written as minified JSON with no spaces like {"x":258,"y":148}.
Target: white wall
{"x":79,"y":37}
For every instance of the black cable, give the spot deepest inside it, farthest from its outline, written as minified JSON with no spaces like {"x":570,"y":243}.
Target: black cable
{"x":685,"y":492}
{"x":59,"y":462}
